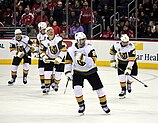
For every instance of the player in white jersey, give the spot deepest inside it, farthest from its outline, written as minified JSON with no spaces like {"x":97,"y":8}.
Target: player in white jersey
{"x":20,"y":48}
{"x":80,"y":60}
{"x":53,"y":48}
{"x":40,"y":38}
{"x":127,"y":65}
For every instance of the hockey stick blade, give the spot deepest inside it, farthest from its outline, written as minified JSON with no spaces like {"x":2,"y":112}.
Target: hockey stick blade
{"x":133,"y":77}
{"x":50,"y":60}
{"x":66,"y":85}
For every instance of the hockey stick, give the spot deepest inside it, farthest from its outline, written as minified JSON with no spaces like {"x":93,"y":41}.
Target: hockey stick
{"x":134,"y":78}
{"x":66,"y":85}
{"x":50,"y":60}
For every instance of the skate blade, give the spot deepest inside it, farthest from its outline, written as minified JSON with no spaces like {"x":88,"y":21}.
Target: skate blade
{"x":122,"y":97}
{"x":82,"y":114}
{"x":44,"y":94}
{"x":10,"y":84}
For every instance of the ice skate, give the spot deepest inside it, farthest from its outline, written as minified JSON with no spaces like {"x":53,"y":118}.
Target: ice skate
{"x":11,"y":82}
{"x":81,"y":108}
{"x":56,"y":86}
{"x":52,"y":85}
{"x":129,"y":87}
{"x":122,"y":94}
{"x":25,"y":80}
{"x":42,"y":85}
{"x":105,"y":108}
{"x":46,"y":90}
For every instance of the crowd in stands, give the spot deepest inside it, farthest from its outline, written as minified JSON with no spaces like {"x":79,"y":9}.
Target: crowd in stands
{"x":81,"y":17}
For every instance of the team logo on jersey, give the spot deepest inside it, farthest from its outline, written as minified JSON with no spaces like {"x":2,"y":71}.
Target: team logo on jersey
{"x":123,"y":55}
{"x":53,"y":49}
{"x":81,"y":63}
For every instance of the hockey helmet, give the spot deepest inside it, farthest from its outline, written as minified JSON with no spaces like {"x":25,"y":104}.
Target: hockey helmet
{"x":49,"y":31}
{"x":124,"y":40}
{"x":42,"y":25}
{"x":17,"y":31}
{"x":80,"y":37}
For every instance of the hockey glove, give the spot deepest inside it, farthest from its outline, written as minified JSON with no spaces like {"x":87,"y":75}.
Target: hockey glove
{"x":32,"y":48}
{"x":68,"y":75}
{"x":58,"y":60}
{"x":113,"y":64}
{"x":128,"y":71}
{"x":20,"y":54}
{"x":45,"y":59}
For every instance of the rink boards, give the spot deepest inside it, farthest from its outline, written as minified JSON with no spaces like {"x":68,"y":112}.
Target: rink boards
{"x":147,"y":52}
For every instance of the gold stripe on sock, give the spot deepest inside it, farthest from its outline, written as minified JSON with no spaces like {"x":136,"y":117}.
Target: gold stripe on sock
{"x":123,"y":84}
{"x":79,"y":99}
{"x":102,"y":99}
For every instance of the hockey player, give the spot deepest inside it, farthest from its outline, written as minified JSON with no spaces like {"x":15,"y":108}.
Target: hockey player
{"x":20,"y":48}
{"x":80,"y":60}
{"x":127,"y":65}
{"x":53,"y":48}
{"x":41,"y":37}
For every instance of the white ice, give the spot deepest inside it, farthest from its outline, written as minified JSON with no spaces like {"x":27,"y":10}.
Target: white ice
{"x":26,"y":104}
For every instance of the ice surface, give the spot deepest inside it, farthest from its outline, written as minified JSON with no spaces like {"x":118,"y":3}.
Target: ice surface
{"x":26,"y":104}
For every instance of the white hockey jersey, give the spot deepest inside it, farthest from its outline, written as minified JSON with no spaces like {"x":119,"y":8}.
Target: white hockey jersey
{"x":40,"y":37}
{"x":126,"y":53}
{"x":86,"y":63}
{"x":53,"y":48}
{"x":22,"y":45}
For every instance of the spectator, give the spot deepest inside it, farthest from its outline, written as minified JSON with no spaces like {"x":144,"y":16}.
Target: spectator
{"x":77,"y":8}
{"x":76,"y":28}
{"x":72,"y":18}
{"x":143,"y":18}
{"x":33,"y":33}
{"x":63,"y":34}
{"x":97,"y":18}
{"x":152,"y":25}
{"x":20,"y":11}
{"x":155,"y":34}
{"x":46,"y":10}
{"x":18,"y":20}
{"x":147,"y":7}
{"x":58,"y":13}
{"x":48,"y":24}
{"x":127,"y":31}
{"x":51,"y":19}
{"x":108,"y":34}
{"x":86,"y":18}
{"x":7,"y":16}
{"x":148,"y":33}
{"x":105,"y":14}
{"x":153,"y":14}
{"x":41,"y":17}
{"x":37,"y":7}
{"x":56,"y":28}
{"x":27,"y":19}
{"x":64,"y":26}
